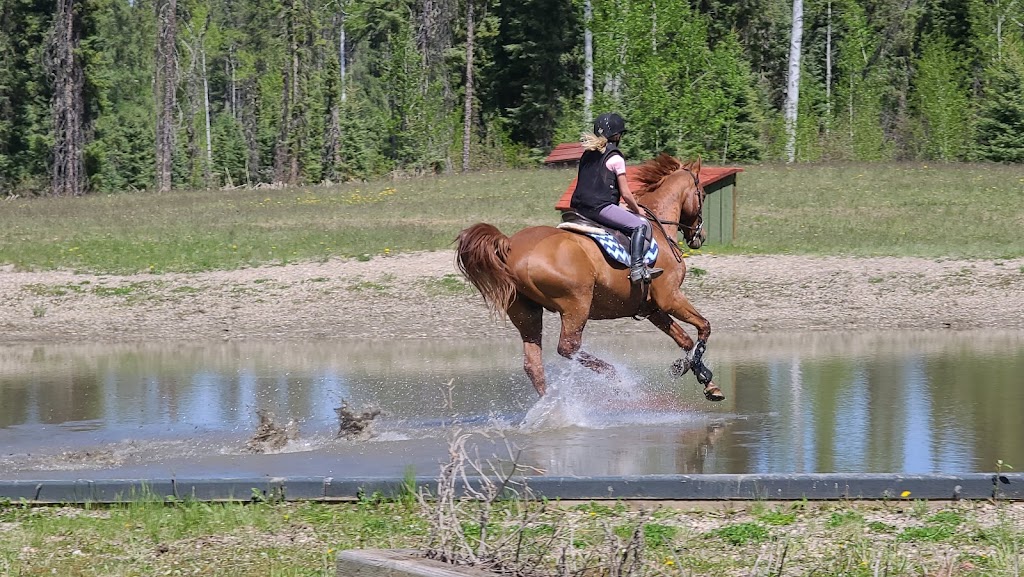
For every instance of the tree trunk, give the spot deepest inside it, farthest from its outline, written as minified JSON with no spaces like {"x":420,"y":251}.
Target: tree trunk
{"x":250,"y":128}
{"x":191,"y":99}
{"x":294,"y":142}
{"x":166,"y":85}
{"x":68,"y":102}
{"x":467,"y":122}
{"x":654,"y":26}
{"x":828,"y":71}
{"x":283,"y":151}
{"x":341,"y":51}
{"x":588,"y":60}
{"x":793,"y":85}
{"x":426,"y":32}
{"x":207,"y":171}
{"x":332,"y":152}
{"x":233,"y":84}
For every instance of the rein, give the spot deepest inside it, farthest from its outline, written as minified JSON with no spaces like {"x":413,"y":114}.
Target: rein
{"x":694,"y":229}
{"x":676,"y":251}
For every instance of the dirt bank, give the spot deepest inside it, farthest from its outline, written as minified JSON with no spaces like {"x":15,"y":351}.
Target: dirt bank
{"x":420,"y":296}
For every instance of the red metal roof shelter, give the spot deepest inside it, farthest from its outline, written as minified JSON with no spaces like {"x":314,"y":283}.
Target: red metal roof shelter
{"x":565,"y":153}
{"x":712,"y":177}
{"x":719,"y":210}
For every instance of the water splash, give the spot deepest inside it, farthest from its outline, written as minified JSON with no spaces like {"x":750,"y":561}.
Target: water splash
{"x":579,"y":397}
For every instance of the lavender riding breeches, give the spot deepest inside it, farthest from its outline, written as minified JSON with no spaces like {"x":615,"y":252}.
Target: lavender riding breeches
{"x":621,"y":219}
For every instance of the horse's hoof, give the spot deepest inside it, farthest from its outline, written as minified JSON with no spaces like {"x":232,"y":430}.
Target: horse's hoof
{"x":713,"y":393}
{"x":680,"y":367}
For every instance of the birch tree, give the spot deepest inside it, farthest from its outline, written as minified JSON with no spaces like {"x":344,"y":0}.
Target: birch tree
{"x":588,"y":60}
{"x":828,"y":71}
{"x":196,"y":41}
{"x":341,"y":49}
{"x":467,"y":120}
{"x":793,"y":83}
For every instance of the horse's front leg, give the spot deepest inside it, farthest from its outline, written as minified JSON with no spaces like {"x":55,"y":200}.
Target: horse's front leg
{"x":663,"y":321}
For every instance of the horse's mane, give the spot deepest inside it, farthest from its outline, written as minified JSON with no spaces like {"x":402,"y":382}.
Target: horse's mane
{"x":653,"y":172}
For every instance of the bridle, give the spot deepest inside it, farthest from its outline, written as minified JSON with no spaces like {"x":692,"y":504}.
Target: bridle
{"x":694,"y":229}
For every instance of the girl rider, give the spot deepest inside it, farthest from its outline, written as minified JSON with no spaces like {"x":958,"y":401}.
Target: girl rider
{"x":600,"y":185}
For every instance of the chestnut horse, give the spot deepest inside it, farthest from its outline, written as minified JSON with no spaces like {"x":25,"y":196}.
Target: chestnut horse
{"x":544,"y":267}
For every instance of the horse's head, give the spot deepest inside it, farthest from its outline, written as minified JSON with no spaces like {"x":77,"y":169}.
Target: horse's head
{"x":691,"y":219}
{"x":672,"y":190}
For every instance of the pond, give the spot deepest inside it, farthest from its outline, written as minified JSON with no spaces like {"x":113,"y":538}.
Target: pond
{"x":905,"y":402}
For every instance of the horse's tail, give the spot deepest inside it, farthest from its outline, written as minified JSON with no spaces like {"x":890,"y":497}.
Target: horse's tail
{"x":481,"y":255}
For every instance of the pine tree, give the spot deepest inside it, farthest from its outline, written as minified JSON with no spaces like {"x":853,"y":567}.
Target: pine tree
{"x":118,"y":56}
{"x":941,"y":100}
{"x":536,"y":67}
{"x":1001,"y":117}
{"x":7,"y":95}
{"x":166,"y":90}
{"x":68,"y":100}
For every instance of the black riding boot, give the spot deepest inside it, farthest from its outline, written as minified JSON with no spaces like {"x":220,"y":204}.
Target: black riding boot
{"x":637,"y":270}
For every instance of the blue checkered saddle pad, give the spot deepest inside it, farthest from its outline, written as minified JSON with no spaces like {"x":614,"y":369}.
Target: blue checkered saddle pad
{"x":611,"y":247}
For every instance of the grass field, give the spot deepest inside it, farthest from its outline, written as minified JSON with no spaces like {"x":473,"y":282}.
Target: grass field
{"x":897,"y":538}
{"x":900,"y":210}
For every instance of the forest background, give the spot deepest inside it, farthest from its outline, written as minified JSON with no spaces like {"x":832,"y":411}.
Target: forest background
{"x":113,"y":95}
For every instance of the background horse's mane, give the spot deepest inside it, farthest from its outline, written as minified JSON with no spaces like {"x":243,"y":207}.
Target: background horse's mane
{"x":653,"y":172}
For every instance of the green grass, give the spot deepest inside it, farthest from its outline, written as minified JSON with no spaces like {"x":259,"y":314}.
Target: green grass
{"x":386,"y":283}
{"x":448,"y":285}
{"x":204,"y":230}
{"x":885,"y":209}
{"x":151,"y":537}
{"x":741,"y":533}
{"x":845,"y":518}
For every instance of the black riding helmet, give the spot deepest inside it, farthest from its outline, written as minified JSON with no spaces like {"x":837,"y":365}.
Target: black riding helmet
{"x":609,"y":124}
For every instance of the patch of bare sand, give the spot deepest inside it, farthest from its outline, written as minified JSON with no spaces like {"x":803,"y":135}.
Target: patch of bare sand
{"x":420,"y":295}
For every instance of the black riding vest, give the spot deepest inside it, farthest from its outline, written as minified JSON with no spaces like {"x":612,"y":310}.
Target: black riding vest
{"x":596,"y":186}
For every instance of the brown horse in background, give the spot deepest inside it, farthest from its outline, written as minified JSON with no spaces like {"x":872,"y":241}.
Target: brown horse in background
{"x":544,"y":267}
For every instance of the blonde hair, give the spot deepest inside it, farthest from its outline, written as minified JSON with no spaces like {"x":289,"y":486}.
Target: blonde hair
{"x":591,"y":141}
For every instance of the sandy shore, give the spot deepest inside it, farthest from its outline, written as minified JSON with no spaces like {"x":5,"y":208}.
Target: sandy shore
{"x":419,"y":295}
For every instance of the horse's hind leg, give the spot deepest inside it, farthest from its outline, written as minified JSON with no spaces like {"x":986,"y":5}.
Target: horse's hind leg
{"x":571,"y":339}
{"x":528,"y":317}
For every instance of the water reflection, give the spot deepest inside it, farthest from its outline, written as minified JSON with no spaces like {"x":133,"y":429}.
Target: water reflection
{"x":904,"y":402}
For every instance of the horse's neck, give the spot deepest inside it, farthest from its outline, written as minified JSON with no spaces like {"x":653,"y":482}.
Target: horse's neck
{"x":666,"y":200}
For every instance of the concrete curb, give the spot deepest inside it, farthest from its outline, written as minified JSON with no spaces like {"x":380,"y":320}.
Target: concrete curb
{"x":398,"y":563}
{"x":826,"y":486}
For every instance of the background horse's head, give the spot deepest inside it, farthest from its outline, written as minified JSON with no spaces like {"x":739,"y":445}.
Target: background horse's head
{"x":672,"y":190}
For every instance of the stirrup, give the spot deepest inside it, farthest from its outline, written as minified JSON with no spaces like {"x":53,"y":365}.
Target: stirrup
{"x":637,"y":274}
{"x":642,"y":273}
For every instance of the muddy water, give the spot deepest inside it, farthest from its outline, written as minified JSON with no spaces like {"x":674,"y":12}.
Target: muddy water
{"x":939,"y":402}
